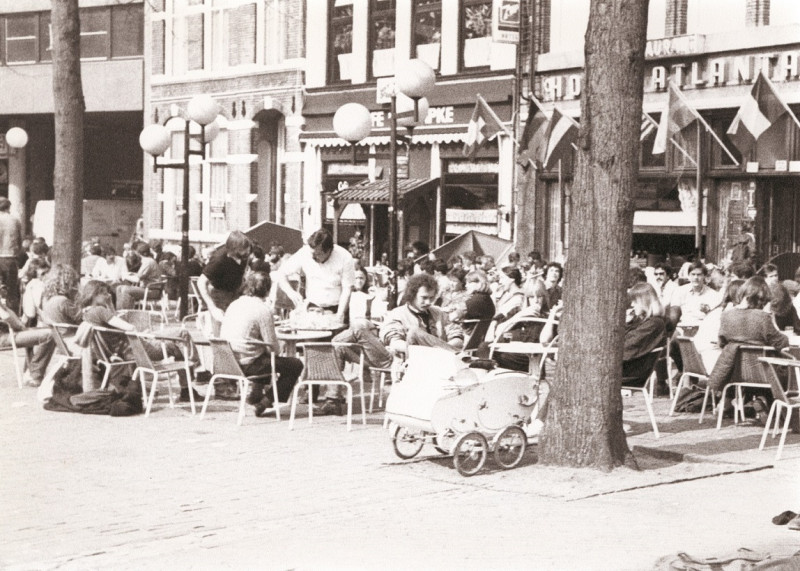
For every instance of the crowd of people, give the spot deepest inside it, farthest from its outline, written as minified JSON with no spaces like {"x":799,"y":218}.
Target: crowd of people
{"x":242,"y":286}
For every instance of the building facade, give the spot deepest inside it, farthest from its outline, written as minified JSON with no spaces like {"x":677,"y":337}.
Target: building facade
{"x":713,"y":50}
{"x":111,"y":54}
{"x":355,"y":46}
{"x":248,"y":55}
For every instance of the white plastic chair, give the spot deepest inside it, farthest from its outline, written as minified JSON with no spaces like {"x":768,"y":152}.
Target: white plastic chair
{"x":693,"y":368}
{"x":788,"y":400}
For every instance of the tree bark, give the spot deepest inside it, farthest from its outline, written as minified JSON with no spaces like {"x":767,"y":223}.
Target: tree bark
{"x":69,"y":109}
{"x":584,"y":419}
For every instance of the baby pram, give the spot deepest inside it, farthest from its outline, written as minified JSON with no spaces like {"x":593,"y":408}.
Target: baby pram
{"x":463,"y":411}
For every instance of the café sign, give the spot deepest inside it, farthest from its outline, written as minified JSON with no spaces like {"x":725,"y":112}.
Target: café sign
{"x":695,"y":74}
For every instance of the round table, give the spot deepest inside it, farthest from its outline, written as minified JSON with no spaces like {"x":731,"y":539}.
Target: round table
{"x":290,"y":338}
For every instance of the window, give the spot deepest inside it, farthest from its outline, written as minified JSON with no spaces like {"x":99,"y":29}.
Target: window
{"x":476,"y":33}
{"x":158,"y":61}
{"x":22,"y":38}
{"x":45,"y":39}
{"x":187,"y":42}
{"x":95,"y":28}
{"x":382,"y":36}
{"x":235,"y":36}
{"x":428,"y":31}
{"x":127,"y":30}
{"x":341,"y":33}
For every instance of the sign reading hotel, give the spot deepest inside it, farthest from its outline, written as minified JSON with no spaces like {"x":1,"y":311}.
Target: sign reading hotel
{"x":696,"y":74}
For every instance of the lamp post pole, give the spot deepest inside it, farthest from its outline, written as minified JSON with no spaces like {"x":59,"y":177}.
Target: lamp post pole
{"x":155,"y":140}
{"x":393,"y":249}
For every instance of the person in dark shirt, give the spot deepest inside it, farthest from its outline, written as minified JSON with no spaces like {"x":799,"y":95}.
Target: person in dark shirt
{"x":195,"y":267}
{"x":222,"y":276}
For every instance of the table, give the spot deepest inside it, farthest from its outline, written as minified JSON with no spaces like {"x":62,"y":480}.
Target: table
{"x":290,"y":337}
{"x":532,"y":350}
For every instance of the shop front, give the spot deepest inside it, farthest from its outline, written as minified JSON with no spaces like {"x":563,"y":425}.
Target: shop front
{"x":441,"y":193}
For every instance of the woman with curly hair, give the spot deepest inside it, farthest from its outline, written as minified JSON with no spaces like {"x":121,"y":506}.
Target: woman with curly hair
{"x":60,"y":293}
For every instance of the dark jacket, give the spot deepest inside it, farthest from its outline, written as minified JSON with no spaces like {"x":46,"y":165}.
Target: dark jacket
{"x":641,"y":337}
{"x":480,"y":306}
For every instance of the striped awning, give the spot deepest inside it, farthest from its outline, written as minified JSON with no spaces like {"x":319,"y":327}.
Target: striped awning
{"x":377,"y":192}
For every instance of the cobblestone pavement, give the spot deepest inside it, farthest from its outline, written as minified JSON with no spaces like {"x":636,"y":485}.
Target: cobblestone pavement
{"x":171,"y":491}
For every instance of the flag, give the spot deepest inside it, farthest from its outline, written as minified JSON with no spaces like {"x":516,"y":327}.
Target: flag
{"x":648,"y":126}
{"x":759,"y":112}
{"x":676,"y":117}
{"x":534,"y":137}
{"x":483,"y":126}
{"x":562,"y":131}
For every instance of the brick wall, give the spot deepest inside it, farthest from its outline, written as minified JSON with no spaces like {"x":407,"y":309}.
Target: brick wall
{"x":675,"y":24}
{"x":757,"y":13}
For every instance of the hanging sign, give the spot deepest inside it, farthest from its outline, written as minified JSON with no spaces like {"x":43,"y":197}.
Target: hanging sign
{"x":505,"y":21}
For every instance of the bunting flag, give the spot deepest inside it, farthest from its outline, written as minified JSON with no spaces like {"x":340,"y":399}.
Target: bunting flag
{"x":483,"y":126}
{"x":534,"y":137}
{"x":676,"y":117}
{"x":561,"y":131}
{"x":759,"y":112}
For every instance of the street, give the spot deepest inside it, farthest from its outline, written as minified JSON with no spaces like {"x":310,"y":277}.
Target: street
{"x":172,"y":491}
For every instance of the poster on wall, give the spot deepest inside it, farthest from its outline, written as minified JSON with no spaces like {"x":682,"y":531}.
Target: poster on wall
{"x":506,"y":20}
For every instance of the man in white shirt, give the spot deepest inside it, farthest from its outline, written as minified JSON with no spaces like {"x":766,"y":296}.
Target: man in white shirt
{"x":329,"y":272}
{"x":695,"y":299}
{"x":663,"y":284}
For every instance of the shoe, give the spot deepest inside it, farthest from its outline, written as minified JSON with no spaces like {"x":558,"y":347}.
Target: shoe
{"x":265,"y":403}
{"x":784,"y":518}
{"x":760,"y":406}
{"x":185,"y":395}
{"x":255,"y":396}
{"x":329,"y":408}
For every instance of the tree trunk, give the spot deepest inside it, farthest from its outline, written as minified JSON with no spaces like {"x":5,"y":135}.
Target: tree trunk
{"x":69,"y":108}
{"x":584,"y":419}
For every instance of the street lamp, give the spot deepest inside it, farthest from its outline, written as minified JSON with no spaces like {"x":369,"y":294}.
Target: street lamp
{"x":16,"y":137}
{"x":413,"y":80}
{"x":155,"y":139}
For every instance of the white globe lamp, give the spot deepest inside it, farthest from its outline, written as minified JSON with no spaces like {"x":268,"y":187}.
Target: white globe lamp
{"x":16,"y":137}
{"x":352,"y":122}
{"x":202,"y":109}
{"x":154,"y":140}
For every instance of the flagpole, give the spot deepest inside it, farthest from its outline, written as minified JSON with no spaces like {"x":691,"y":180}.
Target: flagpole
{"x":705,"y":124}
{"x":775,"y":91}
{"x":698,"y":235}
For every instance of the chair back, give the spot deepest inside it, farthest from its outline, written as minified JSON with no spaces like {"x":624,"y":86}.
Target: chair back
{"x":522,"y":321}
{"x":58,"y":338}
{"x":104,"y":341}
{"x":692,"y":362}
{"x":481,"y":327}
{"x":746,"y":368}
{"x":648,"y":364}
{"x":154,"y":290}
{"x":201,"y":303}
{"x":140,"y":355}
{"x":225,"y":362}
{"x":320,"y":362}
{"x":768,"y":365}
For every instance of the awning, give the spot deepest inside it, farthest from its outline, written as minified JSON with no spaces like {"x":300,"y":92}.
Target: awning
{"x":421,"y":136}
{"x":665,"y":222}
{"x":377,"y":192}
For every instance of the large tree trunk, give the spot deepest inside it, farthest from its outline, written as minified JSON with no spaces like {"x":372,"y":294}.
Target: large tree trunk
{"x":69,"y":108}
{"x":584,"y":420}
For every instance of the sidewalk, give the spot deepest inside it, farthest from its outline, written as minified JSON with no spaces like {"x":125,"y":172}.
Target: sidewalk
{"x":86,"y":492}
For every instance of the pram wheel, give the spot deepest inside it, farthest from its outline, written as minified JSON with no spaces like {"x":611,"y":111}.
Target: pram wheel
{"x":470,"y":452}
{"x":509,"y":446}
{"x":407,"y":443}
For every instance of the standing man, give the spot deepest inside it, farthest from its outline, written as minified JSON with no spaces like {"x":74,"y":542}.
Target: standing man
{"x":222,"y":276}
{"x":329,"y":270}
{"x":10,"y":241}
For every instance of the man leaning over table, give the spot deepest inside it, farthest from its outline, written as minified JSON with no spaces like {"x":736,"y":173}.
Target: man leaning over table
{"x":329,"y":272}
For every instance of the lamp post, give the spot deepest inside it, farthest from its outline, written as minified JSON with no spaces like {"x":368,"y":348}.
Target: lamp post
{"x":352,"y":122}
{"x":17,"y":138}
{"x":155,"y":140}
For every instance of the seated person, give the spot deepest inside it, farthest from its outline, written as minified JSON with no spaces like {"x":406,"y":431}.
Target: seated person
{"x":418,"y":322}
{"x":34,"y":341}
{"x":97,"y":309}
{"x":510,"y":295}
{"x":250,"y":317}
{"x":61,"y":287}
{"x":34,"y":289}
{"x":94,"y":254}
{"x":706,"y":340}
{"x":110,"y":268}
{"x":746,"y":324}
{"x":695,"y":299}
{"x":645,"y":330}
{"x":782,"y":309}
{"x":143,"y":271}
